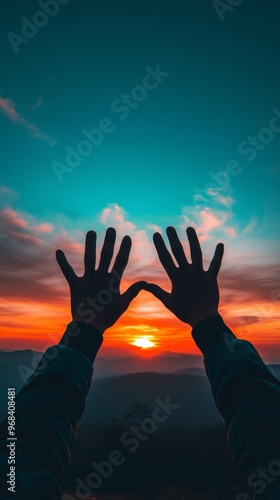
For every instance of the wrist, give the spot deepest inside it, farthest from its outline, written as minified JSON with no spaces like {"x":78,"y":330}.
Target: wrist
{"x":83,"y":337}
{"x":94,"y":324}
{"x":210,"y":331}
{"x":203,"y":315}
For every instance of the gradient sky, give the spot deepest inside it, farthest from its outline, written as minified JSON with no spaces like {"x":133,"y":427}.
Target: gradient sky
{"x":157,"y":167}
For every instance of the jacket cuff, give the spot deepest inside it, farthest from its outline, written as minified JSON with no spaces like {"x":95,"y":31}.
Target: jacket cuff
{"x":83,"y":337}
{"x":209,"y":331}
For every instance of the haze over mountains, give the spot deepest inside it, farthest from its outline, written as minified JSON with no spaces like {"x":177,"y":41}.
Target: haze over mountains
{"x":120,"y":382}
{"x":20,"y":364}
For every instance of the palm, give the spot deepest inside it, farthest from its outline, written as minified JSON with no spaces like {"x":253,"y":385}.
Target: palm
{"x":194,"y":291}
{"x":95,"y":296}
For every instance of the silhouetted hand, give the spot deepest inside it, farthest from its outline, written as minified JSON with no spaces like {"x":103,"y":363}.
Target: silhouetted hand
{"x":195,"y":294}
{"x":95,"y":296}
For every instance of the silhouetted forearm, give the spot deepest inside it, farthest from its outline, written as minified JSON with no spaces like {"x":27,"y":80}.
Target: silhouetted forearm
{"x":246,"y":394}
{"x":48,"y":408}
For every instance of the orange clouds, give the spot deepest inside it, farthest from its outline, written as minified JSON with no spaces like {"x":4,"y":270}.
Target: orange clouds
{"x":21,"y":228}
{"x":44,"y":228}
{"x":208,"y":221}
{"x":14,"y":219}
{"x":35,"y":306}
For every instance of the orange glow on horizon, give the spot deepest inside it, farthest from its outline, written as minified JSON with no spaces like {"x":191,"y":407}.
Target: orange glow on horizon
{"x":144,"y":342}
{"x":146,"y":328}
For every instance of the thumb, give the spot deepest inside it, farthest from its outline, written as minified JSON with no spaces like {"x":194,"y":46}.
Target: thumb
{"x":131,"y":293}
{"x":158,"y":292}
{"x":65,"y":267}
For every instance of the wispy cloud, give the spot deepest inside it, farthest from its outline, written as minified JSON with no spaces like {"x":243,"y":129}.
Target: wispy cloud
{"x":46,"y":228}
{"x":7,"y":106}
{"x":31,"y":282}
{"x":208,"y":221}
{"x":23,"y":226}
{"x":37,"y":104}
{"x":250,"y":226}
{"x":14,"y":219}
{"x":114,"y":215}
{"x":5,"y":191}
{"x":155,"y":228}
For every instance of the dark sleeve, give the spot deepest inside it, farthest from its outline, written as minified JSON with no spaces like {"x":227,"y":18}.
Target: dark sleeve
{"x":248,"y":397}
{"x":48,"y":408}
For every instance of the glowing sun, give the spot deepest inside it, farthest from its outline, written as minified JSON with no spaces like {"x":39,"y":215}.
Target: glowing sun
{"x":143,"y":342}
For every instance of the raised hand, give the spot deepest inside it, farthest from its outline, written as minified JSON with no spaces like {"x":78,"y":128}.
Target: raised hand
{"x":95,"y":296}
{"x":195,"y":293}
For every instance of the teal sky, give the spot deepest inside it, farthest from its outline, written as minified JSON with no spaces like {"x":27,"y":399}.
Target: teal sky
{"x":201,"y":91}
{"x":222,"y":86}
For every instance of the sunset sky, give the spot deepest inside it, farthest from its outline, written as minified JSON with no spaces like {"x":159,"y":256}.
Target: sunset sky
{"x":199,"y":145}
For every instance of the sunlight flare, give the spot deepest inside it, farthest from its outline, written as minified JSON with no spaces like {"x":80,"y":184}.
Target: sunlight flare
{"x":143,"y":342}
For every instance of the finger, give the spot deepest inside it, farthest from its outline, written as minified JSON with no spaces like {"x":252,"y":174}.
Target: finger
{"x":107,"y":249}
{"x":131,"y":293}
{"x":65,"y":267}
{"x":196,"y":253}
{"x":176,"y":246}
{"x":217,"y":260}
{"x":122,"y":258}
{"x":164,"y":256}
{"x":90,"y":251}
{"x":159,"y":293}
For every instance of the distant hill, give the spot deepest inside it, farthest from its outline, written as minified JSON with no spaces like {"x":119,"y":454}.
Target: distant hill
{"x":120,"y":382}
{"x":114,"y":390}
{"x":164,"y":363}
{"x":17,"y":366}
{"x":191,"y":371}
{"x":7,"y":357}
{"x":109,"y":397}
